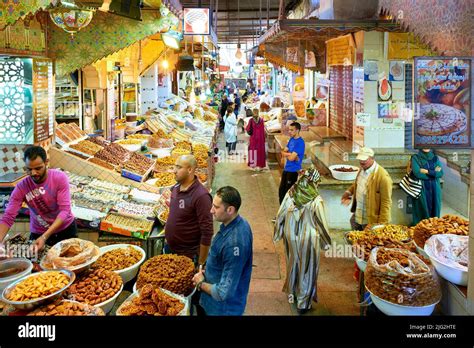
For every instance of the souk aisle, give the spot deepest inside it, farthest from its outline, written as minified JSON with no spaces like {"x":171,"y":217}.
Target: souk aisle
{"x":337,"y":289}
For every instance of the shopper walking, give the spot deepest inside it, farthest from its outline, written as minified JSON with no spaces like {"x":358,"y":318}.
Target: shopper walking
{"x":294,"y":154}
{"x":256,"y":151}
{"x":426,"y":166}
{"x":225,"y":282}
{"x":189,"y":229}
{"x":46,"y":192}
{"x":371,"y":193}
{"x":222,"y":111}
{"x":237,"y":102}
{"x":230,"y":130}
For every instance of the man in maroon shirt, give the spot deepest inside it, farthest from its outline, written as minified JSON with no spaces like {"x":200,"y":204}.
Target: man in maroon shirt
{"x":189,"y":228}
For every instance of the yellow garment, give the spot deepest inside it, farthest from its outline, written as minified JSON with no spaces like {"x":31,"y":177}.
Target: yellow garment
{"x":379,"y":196}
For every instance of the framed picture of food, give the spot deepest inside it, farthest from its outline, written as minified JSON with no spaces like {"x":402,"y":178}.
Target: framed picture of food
{"x":397,"y":70}
{"x":443,"y":102}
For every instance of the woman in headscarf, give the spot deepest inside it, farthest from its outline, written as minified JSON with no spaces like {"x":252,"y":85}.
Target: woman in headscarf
{"x":256,"y":129}
{"x":427,"y":167}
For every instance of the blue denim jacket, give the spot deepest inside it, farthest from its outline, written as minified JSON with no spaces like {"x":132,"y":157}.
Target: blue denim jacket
{"x":228,"y":269}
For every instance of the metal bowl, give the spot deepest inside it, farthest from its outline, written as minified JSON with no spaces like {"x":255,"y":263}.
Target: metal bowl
{"x":14,"y":262}
{"x":31,"y":304}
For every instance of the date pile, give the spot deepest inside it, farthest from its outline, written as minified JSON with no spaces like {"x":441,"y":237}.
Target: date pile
{"x":113,"y":154}
{"x":117,"y":259}
{"x":86,"y":147}
{"x":448,"y":224}
{"x":170,"y":272}
{"x":67,"y":308}
{"x":96,"y":286}
{"x":152,"y":301}
{"x":402,"y":277}
{"x":138,"y":164}
{"x":346,"y":169}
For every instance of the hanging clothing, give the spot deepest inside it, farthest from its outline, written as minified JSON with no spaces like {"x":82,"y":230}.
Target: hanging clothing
{"x":256,"y":155}
{"x":304,"y":231}
{"x":429,"y":203}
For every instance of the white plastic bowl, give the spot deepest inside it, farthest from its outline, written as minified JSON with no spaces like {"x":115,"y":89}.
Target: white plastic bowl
{"x":19,"y":262}
{"x":107,"y":306}
{"x":161,"y":152}
{"x":390,"y":308}
{"x":361,"y":264}
{"x":451,"y":274}
{"x":343,"y":176}
{"x":128,"y":273}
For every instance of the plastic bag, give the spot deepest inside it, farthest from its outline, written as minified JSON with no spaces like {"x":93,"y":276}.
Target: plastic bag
{"x":402,"y":277}
{"x":306,"y":188}
{"x":70,"y":254}
{"x":449,"y":249}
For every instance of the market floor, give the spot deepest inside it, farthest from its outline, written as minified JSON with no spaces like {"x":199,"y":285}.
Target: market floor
{"x":337,"y":290}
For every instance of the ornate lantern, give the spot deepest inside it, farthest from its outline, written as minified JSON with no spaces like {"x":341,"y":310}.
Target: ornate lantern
{"x":71,"y":18}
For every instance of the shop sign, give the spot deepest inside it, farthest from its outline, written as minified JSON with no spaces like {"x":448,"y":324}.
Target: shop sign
{"x":196,"y":21}
{"x":405,"y":46}
{"x":363,"y":119}
{"x":443,"y":102}
{"x":340,"y":51}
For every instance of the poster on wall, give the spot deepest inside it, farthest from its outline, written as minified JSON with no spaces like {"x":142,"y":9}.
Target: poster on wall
{"x":322,"y":89}
{"x":443,"y":102}
{"x":384,"y":88}
{"x":397,"y":70}
{"x":309,"y":59}
{"x":371,"y":70}
{"x":389,"y":110}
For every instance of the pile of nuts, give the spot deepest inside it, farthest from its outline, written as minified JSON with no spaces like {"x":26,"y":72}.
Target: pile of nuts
{"x":389,"y":236}
{"x":86,"y":147}
{"x":152,"y":301}
{"x":170,"y":272}
{"x":402,"y":277}
{"x":165,"y":179}
{"x":117,"y":259}
{"x":448,"y":224}
{"x":67,"y":308}
{"x":96,"y":286}
{"x":102,"y":163}
{"x":138,"y":164}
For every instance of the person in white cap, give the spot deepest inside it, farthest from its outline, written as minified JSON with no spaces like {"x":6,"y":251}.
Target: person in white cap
{"x":371,"y":193}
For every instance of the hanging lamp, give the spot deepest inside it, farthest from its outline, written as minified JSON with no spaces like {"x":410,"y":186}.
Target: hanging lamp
{"x":70,"y":17}
{"x":238,"y":54}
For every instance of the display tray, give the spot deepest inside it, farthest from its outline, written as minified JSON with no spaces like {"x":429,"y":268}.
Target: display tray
{"x":137,"y":177}
{"x":108,"y":227}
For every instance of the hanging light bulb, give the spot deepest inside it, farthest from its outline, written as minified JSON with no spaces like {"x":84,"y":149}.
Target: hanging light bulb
{"x":238,"y":54}
{"x":165,"y":64}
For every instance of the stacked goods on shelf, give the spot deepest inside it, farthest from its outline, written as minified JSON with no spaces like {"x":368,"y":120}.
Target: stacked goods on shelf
{"x":164,"y":206}
{"x":130,"y":227}
{"x":85,"y":148}
{"x":134,"y":210}
{"x":109,"y":187}
{"x":113,"y":154}
{"x":68,"y":132}
{"x":99,"y":195}
{"x":138,"y":167}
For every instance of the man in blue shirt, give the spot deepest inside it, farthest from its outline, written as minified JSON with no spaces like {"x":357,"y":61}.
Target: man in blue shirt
{"x":225,"y":282}
{"x":294,"y":154}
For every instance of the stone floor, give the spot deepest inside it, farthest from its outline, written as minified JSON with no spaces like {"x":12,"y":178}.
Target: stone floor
{"x":337,"y":290}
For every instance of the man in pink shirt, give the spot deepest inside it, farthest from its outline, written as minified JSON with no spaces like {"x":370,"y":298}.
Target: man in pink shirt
{"x":46,"y":192}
